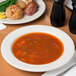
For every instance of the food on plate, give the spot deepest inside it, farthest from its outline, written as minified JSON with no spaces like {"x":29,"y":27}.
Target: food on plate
{"x":5,"y":4}
{"x":31,"y":8}
{"x":2,"y":2}
{"x":15,"y":9}
{"x":37,"y":48}
{"x":27,"y":1}
{"x":2,"y":15}
{"x":21,"y":4}
{"x":14,"y":12}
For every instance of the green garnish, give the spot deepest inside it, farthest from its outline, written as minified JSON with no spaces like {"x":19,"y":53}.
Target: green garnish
{"x":5,"y":4}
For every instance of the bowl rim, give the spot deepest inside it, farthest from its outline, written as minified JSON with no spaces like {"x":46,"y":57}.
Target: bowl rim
{"x":12,"y":60}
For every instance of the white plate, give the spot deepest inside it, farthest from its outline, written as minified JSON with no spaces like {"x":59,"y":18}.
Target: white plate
{"x":26,"y":18}
{"x":66,"y":56}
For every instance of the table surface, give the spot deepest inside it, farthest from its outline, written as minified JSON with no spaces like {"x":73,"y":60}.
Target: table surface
{"x":8,"y":70}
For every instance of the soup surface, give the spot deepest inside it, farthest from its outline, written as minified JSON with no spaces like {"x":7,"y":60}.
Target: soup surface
{"x":37,"y":48}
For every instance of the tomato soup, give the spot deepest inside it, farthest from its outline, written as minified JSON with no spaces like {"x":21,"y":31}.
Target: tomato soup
{"x":37,"y":48}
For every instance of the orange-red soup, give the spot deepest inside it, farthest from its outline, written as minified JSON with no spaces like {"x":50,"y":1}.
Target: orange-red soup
{"x":37,"y":48}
